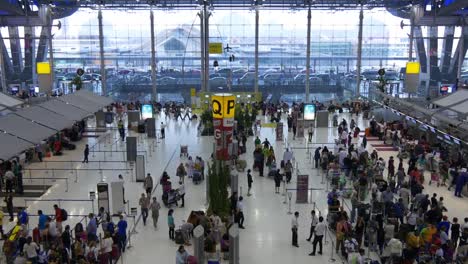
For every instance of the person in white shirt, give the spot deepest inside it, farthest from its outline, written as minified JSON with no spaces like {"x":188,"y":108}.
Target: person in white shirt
{"x":182,"y":193}
{"x":30,"y":250}
{"x":106,"y":245}
{"x":314,"y":222}
{"x":294,"y":227}
{"x":53,"y":232}
{"x":319,"y":231}
{"x":240,"y":212}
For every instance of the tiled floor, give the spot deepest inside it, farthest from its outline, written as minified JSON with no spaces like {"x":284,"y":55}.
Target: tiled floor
{"x":267,"y":237}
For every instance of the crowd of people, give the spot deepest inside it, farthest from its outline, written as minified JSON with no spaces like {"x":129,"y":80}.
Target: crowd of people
{"x":52,"y":240}
{"x":390,"y":212}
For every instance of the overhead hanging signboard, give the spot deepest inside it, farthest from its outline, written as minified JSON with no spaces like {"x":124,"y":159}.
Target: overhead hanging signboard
{"x":215,"y":48}
{"x":412,"y":77}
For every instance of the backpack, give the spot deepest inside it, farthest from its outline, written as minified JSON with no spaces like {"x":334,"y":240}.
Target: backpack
{"x":64,"y":214}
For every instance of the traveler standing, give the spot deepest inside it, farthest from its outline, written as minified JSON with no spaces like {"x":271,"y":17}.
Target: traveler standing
{"x":121,"y":129}
{"x":154,"y":207}
{"x":294,"y":227}
{"x":86,"y":154}
{"x":317,"y":157}
{"x":278,"y":178}
{"x":144,"y":204}
{"x":240,"y":212}
{"x":249,"y":182}
{"x":320,"y":230}
{"x":171,"y":223}
{"x":313,"y":224}
{"x":91,"y":228}
{"x":39,"y":152}
{"x":180,"y":172}
{"x":163,"y":130}
{"x":122,"y":233}
{"x":148,"y":184}
{"x":182,"y":193}
{"x":9,"y":178}
{"x":30,"y":249}
{"x":9,"y":205}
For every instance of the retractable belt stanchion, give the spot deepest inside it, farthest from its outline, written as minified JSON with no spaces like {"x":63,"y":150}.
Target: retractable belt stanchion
{"x":289,"y":198}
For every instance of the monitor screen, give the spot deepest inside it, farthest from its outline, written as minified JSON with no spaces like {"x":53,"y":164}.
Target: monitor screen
{"x":146,"y":111}
{"x":309,"y":112}
{"x":433,"y":130}
{"x":456,"y":141}
{"x":408,"y":118}
{"x":447,"y":137}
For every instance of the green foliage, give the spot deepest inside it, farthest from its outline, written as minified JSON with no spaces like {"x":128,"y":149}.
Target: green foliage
{"x":77,"y":82}
{"x":206,"y":120}
{"x":218,"y":177}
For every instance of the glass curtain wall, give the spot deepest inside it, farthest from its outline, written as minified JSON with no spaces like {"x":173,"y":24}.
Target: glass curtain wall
{"x":282,"y":51}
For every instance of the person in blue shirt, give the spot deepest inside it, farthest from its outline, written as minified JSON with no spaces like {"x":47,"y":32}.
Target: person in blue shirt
{"x":42,"y":221}
{"x":122,"y":232}
{"x":23,"y":217}
{"x":91,"y":229}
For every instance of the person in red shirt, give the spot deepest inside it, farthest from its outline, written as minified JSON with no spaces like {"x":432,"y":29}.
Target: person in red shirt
{"x":58,"y":217}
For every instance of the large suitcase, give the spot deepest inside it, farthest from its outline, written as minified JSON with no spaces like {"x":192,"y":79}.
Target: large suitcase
{"x":192,"y":260}
{"x":115,"y":253}
{"x":197,"y":177}
{"x":179,"y":237}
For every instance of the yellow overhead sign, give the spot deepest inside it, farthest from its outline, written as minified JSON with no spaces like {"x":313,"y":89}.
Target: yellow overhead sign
{"x":413,"y":68}
{"x":193,"y":92}
{"x":223,"y":105}
{"x":43,"y":68}
{"x":215,"y":48}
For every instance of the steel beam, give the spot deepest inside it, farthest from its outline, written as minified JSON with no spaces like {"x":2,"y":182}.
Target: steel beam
{"x":359,"y":53}
{"x":307,"y":80}
{"x":15,"y":48}
{"x":460,"y":52}
{"x":447,"y":47}
{"x":154,"y":94}
{"x":3,"y":73}
{"x":420,"y":49}
{"x":257,"y":25}
{"x":101,"y":55}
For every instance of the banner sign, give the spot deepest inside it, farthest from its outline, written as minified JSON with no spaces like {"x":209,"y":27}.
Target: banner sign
{"x":302,"y":193}
{"x":223,"y":108}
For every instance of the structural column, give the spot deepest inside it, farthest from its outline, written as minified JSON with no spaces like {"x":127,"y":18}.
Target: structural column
{"x":206,"y":24}
{"x":359,"y":53}
{"x":154,"y":94}
{"x":51,"y":50}
{"x":2,"y":69}
{"x":411,"y":36}
{"x":461,"y":53}
{"x":202,"y":50}
{"x":257,"y":25}
{"x":307,"y":81}
{"x":101,"y":54}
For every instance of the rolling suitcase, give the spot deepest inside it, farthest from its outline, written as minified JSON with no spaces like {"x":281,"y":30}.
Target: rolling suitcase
{"x":115,"y":253}
{"x":192,"y":260}
{"x":179,"y":237}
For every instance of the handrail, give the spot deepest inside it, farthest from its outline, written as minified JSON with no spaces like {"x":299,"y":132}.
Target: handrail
{"x":59,"y":201}
{"x":46,"y":178}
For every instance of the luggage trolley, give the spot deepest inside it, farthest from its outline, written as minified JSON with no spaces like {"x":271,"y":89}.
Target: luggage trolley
{"x":184,"y":151}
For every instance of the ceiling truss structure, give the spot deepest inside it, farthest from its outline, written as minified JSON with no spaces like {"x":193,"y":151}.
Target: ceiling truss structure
{"x":231,"y":4}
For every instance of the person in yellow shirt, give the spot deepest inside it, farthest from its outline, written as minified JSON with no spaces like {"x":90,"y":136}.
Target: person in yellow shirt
{"x":428,"y":232}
